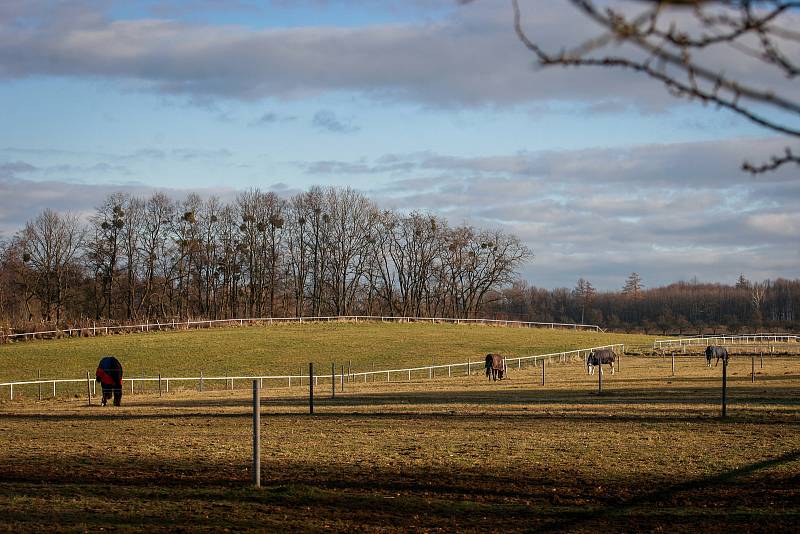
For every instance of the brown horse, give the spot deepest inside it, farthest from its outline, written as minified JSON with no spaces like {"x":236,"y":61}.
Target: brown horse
{"x":495,"y":366}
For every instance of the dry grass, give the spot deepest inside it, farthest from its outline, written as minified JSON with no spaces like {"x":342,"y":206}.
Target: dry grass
{"x":458,"y":454}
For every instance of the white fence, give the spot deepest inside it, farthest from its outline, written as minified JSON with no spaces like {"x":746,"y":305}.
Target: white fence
{"x":746,"y":339}
{"x":208,"y":323}
{"x":392,"y":375}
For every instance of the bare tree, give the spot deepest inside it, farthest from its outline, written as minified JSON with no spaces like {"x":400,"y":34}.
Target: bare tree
{"x":50,"y":245}
{"x":676,"y":42}
{"x":132,"y":235}
{"x":104,"y":250}
{"x":350,"y":219}
{"x":584,"y":291}
{"x":156,"y":249}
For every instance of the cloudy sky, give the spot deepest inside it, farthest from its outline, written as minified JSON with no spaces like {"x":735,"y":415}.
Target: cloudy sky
{"x":421,"y":104}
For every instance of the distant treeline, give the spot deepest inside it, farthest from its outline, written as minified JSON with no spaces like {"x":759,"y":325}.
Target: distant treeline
{"x":679,"y":308}
{"x":326,"y":251}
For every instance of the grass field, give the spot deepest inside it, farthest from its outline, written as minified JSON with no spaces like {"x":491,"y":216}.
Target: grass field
{"x":457,"y":455}
{"x":282,"y":349}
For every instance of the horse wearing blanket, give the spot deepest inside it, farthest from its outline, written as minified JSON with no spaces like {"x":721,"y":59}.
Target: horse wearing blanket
{"x":598,"y":357}
{"x":495,"y":366}
{"x":720,"y":353}
{"x":109,"y":374}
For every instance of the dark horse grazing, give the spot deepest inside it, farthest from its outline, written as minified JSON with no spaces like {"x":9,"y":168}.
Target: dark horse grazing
{"x":598,"y":358}
{"x":495,"y":366}
{"x":109,"y":374}
{"x":721,"y":353}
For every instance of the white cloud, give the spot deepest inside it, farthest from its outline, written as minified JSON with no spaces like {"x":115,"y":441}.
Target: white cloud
{"x":470,"y":58}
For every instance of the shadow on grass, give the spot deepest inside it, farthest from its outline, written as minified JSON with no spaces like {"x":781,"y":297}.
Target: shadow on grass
{"x":215,"y":494}
{"x":639,"y":405}
{"x":578,"y":520}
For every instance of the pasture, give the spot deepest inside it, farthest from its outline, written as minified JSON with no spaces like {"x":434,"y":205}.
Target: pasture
{"x":451,"y":454}
{"x":286,"y":348}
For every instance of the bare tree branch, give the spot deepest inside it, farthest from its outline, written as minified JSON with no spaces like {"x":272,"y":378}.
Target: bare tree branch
{"x":673,"y":54}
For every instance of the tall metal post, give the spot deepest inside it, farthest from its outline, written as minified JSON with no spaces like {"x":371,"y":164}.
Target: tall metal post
{"x":311,"y":388}
{"x":256,"y":433}
{"x":724,"y":387}
{"x":599,"y":376}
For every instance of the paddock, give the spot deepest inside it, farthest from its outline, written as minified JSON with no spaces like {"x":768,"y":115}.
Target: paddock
{"x":651,"y":452}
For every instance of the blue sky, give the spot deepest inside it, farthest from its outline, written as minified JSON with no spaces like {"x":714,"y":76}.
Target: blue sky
{"x":424,"y":104}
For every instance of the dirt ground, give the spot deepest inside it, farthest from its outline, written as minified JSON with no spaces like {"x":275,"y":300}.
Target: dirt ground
{"x":451,"y":454}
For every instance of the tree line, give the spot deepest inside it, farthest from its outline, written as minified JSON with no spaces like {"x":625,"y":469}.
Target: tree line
{"x":325,"y":251}
{"x":679,"y":308}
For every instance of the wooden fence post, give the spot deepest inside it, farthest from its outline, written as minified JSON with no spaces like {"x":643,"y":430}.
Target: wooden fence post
{"x":88,"y":388}
{"x":159,"y":384}
{"x":333,"y":380}
{"x":341,"y":378}
{"x":311,"y":387}
{"x":256,"y":433}
{"x":753,"y":368}
{"x":673,"y":363}
{"x":762,"y":359}
{"x":544,"y":365}
{"x":38,"y":378}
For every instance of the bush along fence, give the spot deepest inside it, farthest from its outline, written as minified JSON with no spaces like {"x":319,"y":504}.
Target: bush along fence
{"x":77,"y":386}
{"x":99,"y":330}
{"x":748,"y":339}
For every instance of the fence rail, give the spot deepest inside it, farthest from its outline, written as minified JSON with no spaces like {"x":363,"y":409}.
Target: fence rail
{"x":397,"y":374}
{"x":745,"y":339}
{"x":208,"y":323}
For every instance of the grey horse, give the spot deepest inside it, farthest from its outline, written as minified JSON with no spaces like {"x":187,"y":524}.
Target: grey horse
{"x":598,"y":357}
{"x":720,"y":353}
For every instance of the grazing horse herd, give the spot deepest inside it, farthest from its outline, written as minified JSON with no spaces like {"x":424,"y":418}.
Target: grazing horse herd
{"x":496,"y":364}
{"x":109,"y":370}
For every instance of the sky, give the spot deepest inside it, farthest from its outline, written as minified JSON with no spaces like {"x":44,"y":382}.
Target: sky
{"x":426,"y":105}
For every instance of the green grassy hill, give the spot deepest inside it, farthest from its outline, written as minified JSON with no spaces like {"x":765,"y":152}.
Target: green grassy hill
{"x":281,"y":349}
